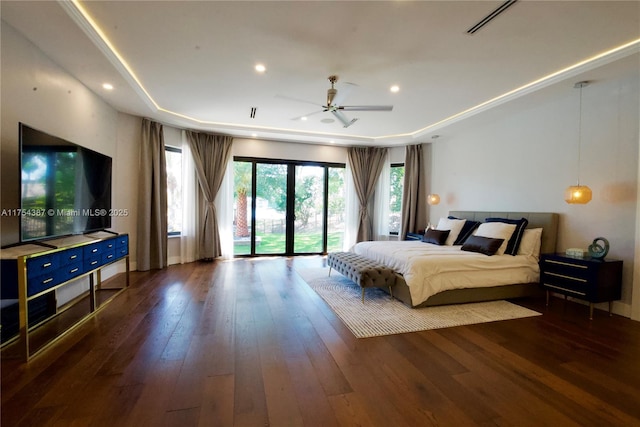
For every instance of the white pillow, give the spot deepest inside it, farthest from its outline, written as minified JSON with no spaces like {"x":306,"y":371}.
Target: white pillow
{"x":496,"y":230}
{"x":455,"y":225}
{"x":530,"y":243}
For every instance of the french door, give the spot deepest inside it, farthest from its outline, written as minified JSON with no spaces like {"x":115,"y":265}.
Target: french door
{"x":287,"y":208}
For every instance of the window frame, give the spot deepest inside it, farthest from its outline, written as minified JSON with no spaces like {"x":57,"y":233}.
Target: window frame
{"x":391,"y":166}
{"x":173,"y":150}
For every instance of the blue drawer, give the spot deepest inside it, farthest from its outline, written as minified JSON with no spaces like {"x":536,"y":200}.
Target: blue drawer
{"x":70,"y":256}
{"x":92,"y":250}
{"x":122,"y":251}
{"x":44,"y":282}
{"x":108,"y":245}
{"x":70,"y":271}
{"x":108,"y":256}
{"x":42,"y":265}
{"x":122,"y":241}
{"x":92,"y":262}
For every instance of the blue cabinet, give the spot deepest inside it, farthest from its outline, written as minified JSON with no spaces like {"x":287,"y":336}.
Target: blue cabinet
{"x":35,"y":274}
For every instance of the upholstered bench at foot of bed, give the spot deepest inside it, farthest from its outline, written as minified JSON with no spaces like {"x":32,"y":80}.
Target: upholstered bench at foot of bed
{"x":363,"y":271}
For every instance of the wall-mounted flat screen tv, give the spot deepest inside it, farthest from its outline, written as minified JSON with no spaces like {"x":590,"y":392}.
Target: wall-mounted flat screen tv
{"x":65,"y":188}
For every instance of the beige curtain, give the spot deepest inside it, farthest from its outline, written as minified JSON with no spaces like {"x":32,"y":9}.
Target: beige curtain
{"x":414,"y":193}
{"x":366,"y":164}
{"x":152,"y":199}
{"x":210,"y":156}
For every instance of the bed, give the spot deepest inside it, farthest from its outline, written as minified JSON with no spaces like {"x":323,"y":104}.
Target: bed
{"x":429,"y":275}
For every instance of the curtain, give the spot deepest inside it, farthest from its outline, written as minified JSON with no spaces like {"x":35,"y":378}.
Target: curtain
{"x":352,"y":208}
{"x":366,"y":164}
{"x":381,"y":202}
{"x":224,"y":208}
{"x":211,"y":154}
{"x":414,"y":193}
{"x":188,"y":234}
{"x":152,"y":199}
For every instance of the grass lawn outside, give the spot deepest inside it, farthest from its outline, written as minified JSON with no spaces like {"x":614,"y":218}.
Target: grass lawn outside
{"x":274,"y":243}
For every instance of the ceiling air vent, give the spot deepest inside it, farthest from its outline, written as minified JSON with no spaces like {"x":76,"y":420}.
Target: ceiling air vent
{"x":484,"y":21}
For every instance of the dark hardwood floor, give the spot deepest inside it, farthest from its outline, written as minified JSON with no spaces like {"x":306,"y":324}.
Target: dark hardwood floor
{"x":247,"y":343}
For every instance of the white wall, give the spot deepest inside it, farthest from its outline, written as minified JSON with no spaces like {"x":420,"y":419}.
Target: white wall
{"x":289,"y":151}
{"x":126,"y":162}
{"x":501,"y":161}
{"x":39,"y":93}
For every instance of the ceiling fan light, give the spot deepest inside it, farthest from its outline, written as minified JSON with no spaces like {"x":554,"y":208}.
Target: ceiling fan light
{"x":578,"y":195}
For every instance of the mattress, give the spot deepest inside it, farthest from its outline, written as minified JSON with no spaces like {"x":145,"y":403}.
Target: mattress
{"x":429,"y":269}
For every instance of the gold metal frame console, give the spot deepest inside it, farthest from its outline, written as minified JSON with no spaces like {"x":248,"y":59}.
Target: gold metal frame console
{"x":40,"y":268}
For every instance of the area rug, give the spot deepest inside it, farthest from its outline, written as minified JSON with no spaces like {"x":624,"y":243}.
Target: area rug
{"x":381,"y":315}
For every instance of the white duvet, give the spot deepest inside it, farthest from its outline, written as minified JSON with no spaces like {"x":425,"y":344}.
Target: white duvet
{"x":429,"y":269}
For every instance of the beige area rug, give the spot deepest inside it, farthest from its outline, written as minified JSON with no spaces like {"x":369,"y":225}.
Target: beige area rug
{"x":381,"y":315}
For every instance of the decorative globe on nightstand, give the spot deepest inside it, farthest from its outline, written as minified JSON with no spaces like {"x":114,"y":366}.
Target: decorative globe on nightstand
{"x":599,"y":250}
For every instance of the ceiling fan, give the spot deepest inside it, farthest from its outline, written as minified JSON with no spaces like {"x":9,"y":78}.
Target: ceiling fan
{"x":334,"y":103}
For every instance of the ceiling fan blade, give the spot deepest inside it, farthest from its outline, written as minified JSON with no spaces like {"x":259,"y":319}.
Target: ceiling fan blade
{"x":345,"y":121}
{"x":344,"y":89}
{"x":307,"y":115}
{"x":290,"y":98}
{"x":366,"y":107}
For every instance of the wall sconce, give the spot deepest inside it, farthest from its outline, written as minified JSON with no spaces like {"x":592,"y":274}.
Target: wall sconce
{"x":578,"y":194}
{"x":433,"y":199}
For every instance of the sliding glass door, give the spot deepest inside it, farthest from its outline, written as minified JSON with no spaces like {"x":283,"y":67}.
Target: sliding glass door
{"x":270,"y":208}
{"x":308,"y":210}
{"x":336,"y":208}
{"x":287,"y":207}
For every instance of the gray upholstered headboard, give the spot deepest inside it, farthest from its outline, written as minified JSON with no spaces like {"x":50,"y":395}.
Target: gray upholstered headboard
{"x":546,"y":220}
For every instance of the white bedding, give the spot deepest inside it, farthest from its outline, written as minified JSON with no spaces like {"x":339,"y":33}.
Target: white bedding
{"x":429,"y":269}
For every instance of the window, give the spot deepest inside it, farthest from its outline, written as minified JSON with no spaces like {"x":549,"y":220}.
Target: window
{"x":395,"y":197}
{"x":287,"y":207}
{"x":174,"y":190}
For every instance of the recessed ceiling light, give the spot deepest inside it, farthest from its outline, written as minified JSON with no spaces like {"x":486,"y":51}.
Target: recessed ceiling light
{"x":327,"y":120}
{"x":303,"y":118}
{"x":332,"y":142}
{"x":395,"y":88}
{"x":253,"y":135}
{"x":107,"y":86}
{"x":260,"y":68}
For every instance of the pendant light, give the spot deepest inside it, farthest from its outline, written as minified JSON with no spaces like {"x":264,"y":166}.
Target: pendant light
{"x":578,"y":194}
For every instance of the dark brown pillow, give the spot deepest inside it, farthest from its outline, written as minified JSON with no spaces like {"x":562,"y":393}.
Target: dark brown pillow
{"x":483,"y":245}
{"x":437,"y":237}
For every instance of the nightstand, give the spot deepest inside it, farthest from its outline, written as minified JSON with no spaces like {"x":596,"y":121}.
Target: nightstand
{"x":588,"y":279}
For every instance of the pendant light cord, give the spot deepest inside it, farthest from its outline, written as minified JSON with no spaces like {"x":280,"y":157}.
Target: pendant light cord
{"x":580,"y":133}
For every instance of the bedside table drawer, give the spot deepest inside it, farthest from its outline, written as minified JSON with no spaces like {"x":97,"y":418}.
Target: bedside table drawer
{"x":568,"y":268}
{"x":562,"y":282}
